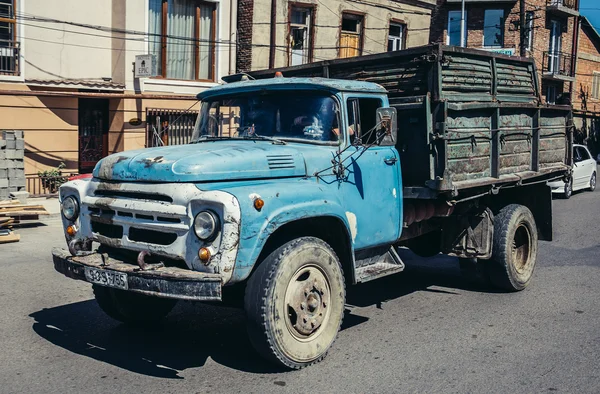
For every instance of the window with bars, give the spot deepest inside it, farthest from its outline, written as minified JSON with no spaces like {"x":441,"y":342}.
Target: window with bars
{"x":596,"y":85}
{"x":183,"y":38}
{"x":9,"y":47}
{"x":396,"y":37}
{"x":351,"y":35}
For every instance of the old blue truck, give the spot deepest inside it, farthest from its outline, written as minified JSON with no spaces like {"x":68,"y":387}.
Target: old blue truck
{"x":314,"y":183}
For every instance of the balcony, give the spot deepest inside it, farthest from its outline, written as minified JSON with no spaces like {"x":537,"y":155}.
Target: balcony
{"x":10,"y":52}
{"x":558,"y":66}
{"x":563,"y":8}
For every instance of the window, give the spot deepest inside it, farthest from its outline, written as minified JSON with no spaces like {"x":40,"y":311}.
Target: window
{"x":182,"y":36}
{"x":300,"y":37}
{"x":529,"y":16}
{"x":9,"y":48}
{"x":362,"y":119}
{"x":351,"y":35}
{"x":596,"y":85}
{"x":551,"y":94}
{"x":288,"y":115}
{"x":493,"y":29}
{"x":396,"y":37}
{"x":453,"y":36}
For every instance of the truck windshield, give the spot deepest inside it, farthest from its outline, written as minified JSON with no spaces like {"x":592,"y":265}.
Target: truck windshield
{"x":292,"y":116}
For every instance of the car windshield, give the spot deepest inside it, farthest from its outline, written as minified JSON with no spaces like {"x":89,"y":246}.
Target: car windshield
{"x":287,"y":116}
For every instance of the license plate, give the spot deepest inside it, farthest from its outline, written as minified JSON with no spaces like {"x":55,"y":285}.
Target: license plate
{"x":106,"y":278}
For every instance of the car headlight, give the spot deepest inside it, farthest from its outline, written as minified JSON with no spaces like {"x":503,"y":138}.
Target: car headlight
{"x":70,"y":208}
{"x":206,"y":225}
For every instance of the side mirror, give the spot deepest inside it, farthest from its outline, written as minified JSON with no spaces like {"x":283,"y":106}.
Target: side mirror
{"x":387,"y":134}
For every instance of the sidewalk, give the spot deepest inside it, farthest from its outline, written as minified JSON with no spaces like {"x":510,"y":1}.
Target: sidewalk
{"x":50,"y":203}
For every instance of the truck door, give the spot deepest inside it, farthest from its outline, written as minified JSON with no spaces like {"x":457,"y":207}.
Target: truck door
{"x":372,"y":188}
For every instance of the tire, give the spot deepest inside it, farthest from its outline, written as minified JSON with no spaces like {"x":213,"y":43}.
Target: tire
{"x":592,"y":182}
{"x":294,"y":303}
{"x":427,"y":245}
{"x":568,"y":191}
{"x":514,"y":250}
{"x":132,"y":308}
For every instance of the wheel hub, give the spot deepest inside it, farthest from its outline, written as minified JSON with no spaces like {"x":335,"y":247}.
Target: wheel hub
{"x":307,"y":300}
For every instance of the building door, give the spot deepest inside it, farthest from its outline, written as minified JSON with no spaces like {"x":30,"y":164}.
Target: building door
{"x":93,"y":133}
{"x":555,"y":47}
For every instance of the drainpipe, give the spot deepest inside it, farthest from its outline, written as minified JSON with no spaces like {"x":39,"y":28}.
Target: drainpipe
{"x":273,"y":33}
{"x":231,"y":34}
{"x":576,"y":29}
{"x":523,"y":26}
{"x":462,"y":25}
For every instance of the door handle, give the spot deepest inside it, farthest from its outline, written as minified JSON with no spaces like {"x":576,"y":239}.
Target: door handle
{"x":390,"y":160}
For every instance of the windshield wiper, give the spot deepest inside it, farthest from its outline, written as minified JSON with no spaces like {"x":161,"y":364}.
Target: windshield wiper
{"x":210,"y":138}
{"x":265,"y":138}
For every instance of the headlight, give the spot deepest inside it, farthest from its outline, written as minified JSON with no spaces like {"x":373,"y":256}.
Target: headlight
{"x":70,"y":208}
{"x":206,"y":225}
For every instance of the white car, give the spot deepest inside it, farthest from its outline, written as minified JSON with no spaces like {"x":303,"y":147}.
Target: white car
{"x":584,"y":174}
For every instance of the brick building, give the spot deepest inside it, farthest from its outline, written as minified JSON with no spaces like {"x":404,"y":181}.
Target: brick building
{"x":586,"y":93}
{"x":494,"y":25}
{"x":277,"y":33}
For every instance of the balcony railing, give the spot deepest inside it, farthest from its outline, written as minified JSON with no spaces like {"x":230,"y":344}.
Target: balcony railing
{"x":566,"y":7}
{"x":10,"y":52}
{"x":558,"y":64}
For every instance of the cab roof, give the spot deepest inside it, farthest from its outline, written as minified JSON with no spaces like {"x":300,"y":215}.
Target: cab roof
{"x":274,"y":84}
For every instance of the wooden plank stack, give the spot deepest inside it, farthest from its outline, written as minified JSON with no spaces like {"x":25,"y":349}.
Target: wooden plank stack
{"x":12,"y":165}
{"x":13,"y":212}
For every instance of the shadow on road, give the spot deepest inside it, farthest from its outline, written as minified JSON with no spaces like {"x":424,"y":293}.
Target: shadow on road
{"x":193,"y":332}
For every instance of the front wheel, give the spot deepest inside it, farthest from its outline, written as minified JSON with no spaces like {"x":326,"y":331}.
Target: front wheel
{"x":514,"y":251}
{"x":132,"y":308}
{"x":294,"y":303}
{"x":568,"y":191}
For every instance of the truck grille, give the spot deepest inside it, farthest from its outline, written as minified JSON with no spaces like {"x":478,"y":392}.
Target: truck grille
{"x":135,"y":216}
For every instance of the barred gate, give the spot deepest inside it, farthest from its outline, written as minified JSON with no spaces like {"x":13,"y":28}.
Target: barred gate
{"x":169,"y":126}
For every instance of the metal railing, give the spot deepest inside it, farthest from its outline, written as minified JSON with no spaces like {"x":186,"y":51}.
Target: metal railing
{"x":572,"y":4}
{"x":45,"y":185}
{"x":169,"y":126}
{"x":558,"y":63}
{"x":10,"y":52}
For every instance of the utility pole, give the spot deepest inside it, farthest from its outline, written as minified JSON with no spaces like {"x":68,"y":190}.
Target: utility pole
{"x":523,"y":28}
{"x":462,"y":25}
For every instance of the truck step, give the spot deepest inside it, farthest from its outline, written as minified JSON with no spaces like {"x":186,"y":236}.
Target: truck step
{"x":387,"y":263}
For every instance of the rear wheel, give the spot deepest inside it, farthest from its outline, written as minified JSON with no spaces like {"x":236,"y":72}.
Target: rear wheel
{"x":514,"y":250}
{"x":592,"y":182}
{"x":129,"y":307}
{"x":294,"y":303}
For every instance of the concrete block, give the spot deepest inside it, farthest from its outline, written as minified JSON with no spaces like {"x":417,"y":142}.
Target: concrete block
{"x":18,"y":164}
{"x":20,"y":144}
{"x":3,"y":183}
{"x":14,"y":154}
{"x":8,"y":135}
{"x":11,"y":144}
{"x":3,"y":153}
{"x":2,"y":144}
{"x":21,"y":196}
{"x":4,"y":164}
{"x":15,"y":173}
{"x":18,"y":182}
{"x":19,"y":134}
{"x":4,"y":173}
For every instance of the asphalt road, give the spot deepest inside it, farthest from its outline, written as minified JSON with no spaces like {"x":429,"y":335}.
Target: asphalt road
{"x":424,"y":330}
